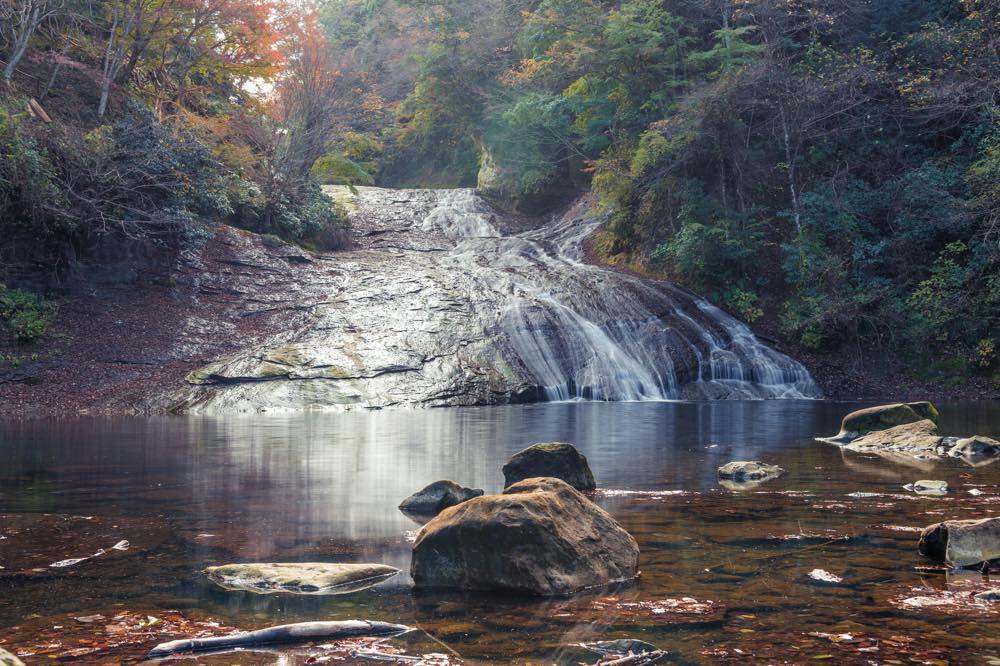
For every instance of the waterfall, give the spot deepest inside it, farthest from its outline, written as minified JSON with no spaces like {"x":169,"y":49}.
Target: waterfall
{"x":579,"y":331}
{"x":447,"y":301}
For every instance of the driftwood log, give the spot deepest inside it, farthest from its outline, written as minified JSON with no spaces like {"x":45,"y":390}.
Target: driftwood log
{"x":285,"y":633}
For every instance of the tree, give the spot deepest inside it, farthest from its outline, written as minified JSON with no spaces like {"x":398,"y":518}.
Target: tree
{"x":19,"y":20}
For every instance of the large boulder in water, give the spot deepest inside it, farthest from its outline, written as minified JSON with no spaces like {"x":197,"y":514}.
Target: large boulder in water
{"x":551,"y":459}
{"x":539,"y":537}
{"x":962,"y":543}
{"x":437,"y":497}
{"x":883,"y":417}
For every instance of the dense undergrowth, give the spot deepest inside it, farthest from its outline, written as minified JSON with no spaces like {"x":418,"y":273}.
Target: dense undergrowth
{"x":130,"y":128}
{"x":828,"y":170}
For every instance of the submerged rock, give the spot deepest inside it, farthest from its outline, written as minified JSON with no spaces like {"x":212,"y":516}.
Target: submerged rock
{"x":8,"y":659}
{"x":437,"y":497}
{"x":928,"y":487}
{"x":539,"y":537}
{"x":742,"y":471}
{"x":976,"y":449}
{"x":962,"y":543}
{"x":300,"y":577}
{"x":602,"y":652}
{"x":551,"y":459}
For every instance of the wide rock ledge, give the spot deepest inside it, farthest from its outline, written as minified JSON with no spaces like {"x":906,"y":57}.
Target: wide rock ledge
{"x":540,"y":537}
{"x":436,"y":497}
{"x":300,"y":577}
{"x":557,"y":460}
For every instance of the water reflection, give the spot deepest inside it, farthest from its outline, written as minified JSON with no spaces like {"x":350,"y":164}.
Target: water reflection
{"x":191,"y":492}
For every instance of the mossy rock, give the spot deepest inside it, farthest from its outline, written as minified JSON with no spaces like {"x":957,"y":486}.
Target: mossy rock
{"x":883,"y":417}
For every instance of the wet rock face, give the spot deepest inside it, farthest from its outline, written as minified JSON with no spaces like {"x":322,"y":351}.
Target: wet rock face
{"x":540,"y":537}
{"x":300,"y":577}
{"x":552,"y":459}
{"x":962,"y":543}
{"x":436,"y":497}
{"x":446,"y":301}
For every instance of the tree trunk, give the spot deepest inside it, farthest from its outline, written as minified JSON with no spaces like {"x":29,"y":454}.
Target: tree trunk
{"x":790,"y":168}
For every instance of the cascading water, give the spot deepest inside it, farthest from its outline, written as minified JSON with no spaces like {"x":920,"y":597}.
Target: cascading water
{"x":446,"y":301}
{"x":585,"y":332}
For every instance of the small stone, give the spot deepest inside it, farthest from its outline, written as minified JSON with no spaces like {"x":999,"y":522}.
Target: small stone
{"x":975,"y":491}
{"x":825,"y":576}
{"x":927,"y":487}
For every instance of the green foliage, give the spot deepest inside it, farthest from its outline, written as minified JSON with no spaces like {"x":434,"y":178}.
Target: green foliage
{"x":744,"y":303}
{"x":25,"y":315}
{"x":27,"y":175}
{"x":304,"y":215}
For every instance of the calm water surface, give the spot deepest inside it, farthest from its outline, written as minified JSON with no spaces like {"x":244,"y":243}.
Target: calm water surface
{"x":192,"y":492}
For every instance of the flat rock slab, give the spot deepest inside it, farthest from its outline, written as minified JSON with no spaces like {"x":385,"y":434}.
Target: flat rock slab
{"x":928,"y":487}
{"x":920,"y":438}
{"x":749,"y":470}
{"x":319,"y":578}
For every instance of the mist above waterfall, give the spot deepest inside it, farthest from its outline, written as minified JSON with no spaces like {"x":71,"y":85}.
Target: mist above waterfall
{"x":447,"y":301}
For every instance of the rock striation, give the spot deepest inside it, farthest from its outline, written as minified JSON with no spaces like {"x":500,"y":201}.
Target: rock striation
{"x":446,"y":301}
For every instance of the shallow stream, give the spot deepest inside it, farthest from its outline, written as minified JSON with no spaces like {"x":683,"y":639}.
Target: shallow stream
{"x":725,"y":575}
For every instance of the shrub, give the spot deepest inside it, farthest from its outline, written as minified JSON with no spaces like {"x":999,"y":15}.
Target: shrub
{"x":25,"y":315}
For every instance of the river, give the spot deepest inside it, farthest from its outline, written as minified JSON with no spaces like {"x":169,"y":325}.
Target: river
{"x":190,"y":492}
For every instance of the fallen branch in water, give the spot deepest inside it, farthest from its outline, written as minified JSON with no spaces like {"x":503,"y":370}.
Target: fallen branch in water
{"x":285,"y":633}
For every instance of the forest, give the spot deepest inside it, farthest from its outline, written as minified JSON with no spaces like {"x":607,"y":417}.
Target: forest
{"x":826,"y":171}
